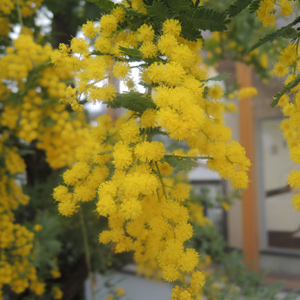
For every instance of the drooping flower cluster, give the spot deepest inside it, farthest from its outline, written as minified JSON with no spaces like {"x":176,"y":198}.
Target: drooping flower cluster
{"x":287,"y":66}
{"x":30,"y":115}
{"x":38,"y":116}
{"x":16,"y":243}
{"x":129,"y":172}
{"x":182,"y":107}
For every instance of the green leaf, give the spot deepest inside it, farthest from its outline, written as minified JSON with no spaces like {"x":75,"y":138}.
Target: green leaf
{"x":189,"y":31}
{"x":182,"y":163}
{"x":286,"y":89}
{"x":209,"y":19}
{"x":151,"y":132}
{"x":238,"y":6}
{"x":290,"y":34}
{"x":253,"y":7}
{"x":134,"y":54}
{"x":106,"y":152}
{"x":220,"y":77}
{"x":106,"y":5}
{"x":179,"y":6}
{"x":133,"y":101}
{"x":158,"y":11}
{"x":96,"y":52}
{"x":275,"y":35}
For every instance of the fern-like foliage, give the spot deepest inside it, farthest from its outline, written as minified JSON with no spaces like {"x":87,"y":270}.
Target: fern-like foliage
{"x":151,"y":132}
{"x":179,"y":6}
{"x":193,"y":18}
{"x":275,"y":35}
{"x":253,"y":7}
{"x":158,"y":11}
{"x":238,"y":6}
{"x":105,"y":5}
{"x":286,"y":89}
{"x":219,"y":77}
{"x":133,"y":101}
{"x":183,"y":163}
{"x":133,"y":54}
{"x":106,"y":152}
{"x":209,"y":19}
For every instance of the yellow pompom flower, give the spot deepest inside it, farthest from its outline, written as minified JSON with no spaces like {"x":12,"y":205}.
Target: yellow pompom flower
{"x":197,"y":280}
{"x":295,"y":154}
{"x":131,"y":208}
{"x":148,"y":118}
{"x":173,"y":73}
{"x":172,"y":26}
{"x":122,"y":156}
{"x":129,"y":132}
{"x":247,"y":93}
{"x":108,"y":24}
{"x":120,"y":70}
{"x":296,"y":202}
{"x":216,"y":92}
{"x":89,"y":29}
{"x":149,"y":151}
{"x":148,"y":49}
{"x":145,"y":33}
{"x":294,"y":179}
{"x":166,"y":44}
{"x":189,"y":260}
{"x":181,"y":191}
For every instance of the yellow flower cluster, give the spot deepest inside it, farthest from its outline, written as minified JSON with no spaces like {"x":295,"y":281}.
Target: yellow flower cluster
{"x":27,"y":7}
{"x":37,"y":115}
{"x":288,"y":66}
{"x":266,"y":12}
{"x":30,"y":115}
{"x":148,"y":212}
{"x":16,"y":258}
{"x":247,"y":93}
{"x":182,"y":108}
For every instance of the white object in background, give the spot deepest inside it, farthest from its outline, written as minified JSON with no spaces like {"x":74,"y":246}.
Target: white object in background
{"x":136,"y":288}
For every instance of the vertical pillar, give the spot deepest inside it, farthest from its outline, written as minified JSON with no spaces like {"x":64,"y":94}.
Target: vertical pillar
{"x":249,"y":196}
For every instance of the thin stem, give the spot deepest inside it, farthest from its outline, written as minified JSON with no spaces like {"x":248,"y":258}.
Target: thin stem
{"x":20,"y":15}
{"x":229,"y":159}
{"x":160,"y":178}
{"x":185,"y":156}
{"x":295,"y":64}
{"x":87,"y":252}
{"x":207,"y":135}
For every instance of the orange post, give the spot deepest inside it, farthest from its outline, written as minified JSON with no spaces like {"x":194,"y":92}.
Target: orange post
{"x":249,"y":197}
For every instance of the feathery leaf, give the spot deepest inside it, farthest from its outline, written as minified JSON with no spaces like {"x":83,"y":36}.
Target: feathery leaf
{"x":238,"y":6}
{"x":183,"y":163}
{"x":253,"y":7}
{"x":133,"y":101}
{"x":220,"y":77}
{"x":275,"y":35}
{"x":286,"y":89}
{"x":106,"y":5}
{"x":209,"y":19}
{"x":158,"y":11}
